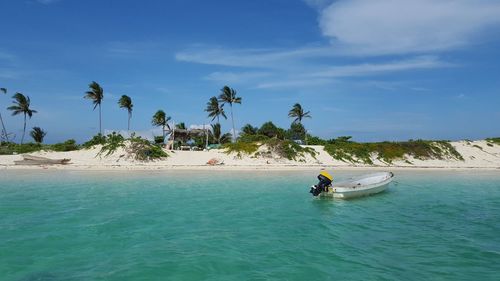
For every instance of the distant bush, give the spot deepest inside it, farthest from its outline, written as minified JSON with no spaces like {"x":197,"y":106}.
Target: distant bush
{"x":493,"y":140}
{"x":142,"y":150}
{"x":112,"y":143}
{"x":96,"y":140}
{"x":283,"y":148}
{"x":9,"y":148}
{"x":68,"y":145}
{"x":389,"y":151}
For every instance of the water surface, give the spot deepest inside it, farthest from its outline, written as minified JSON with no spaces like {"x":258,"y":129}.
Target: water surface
{"x":67,"y":225}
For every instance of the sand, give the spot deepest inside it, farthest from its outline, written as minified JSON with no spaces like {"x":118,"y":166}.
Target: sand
{"x":476,"y":154}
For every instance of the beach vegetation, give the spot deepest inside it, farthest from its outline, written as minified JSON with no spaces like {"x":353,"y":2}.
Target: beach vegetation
{"x":493,"y":141}
{"x":112,"y":143}
{"x":125,"y":102}
{"x":160,"y":119}
{"x":228,"y":96}
{"x":96,"y":95}
{"x":38,"y":134}
{"x":298,"y":113}
{"x":98,"y":139}
{"x":69,"y":145}
{"x":354,"y":152}
{"x":142,"y":150}
{"x":21,"y":105}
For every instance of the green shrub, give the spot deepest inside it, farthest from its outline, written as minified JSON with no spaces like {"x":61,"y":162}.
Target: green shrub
{"x":68,"y":145}
{"x":142,"y":150}
{"x":113,"y":142}
{"x":96,"y":140}
{"x":493,"y":140}
{"x":389,"y":151}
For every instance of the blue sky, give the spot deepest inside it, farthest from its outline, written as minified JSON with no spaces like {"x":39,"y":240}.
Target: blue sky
{"x":376,"y":70}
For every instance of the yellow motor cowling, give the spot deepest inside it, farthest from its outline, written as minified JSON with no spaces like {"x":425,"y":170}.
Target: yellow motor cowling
{"x":326,"y":175}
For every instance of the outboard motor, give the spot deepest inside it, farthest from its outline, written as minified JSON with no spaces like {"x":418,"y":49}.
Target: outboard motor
{"x":325,"y":180}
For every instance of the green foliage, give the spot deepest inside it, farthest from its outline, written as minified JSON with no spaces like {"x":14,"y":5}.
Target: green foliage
{"x":297,"y":131}
{"x":313,"y":140}
{"x":240,"y":147}
{"x":68,"y":145}
{"x":288,"y":149}
{"x":283,"y":148}
{"x":38,"y":134}
{"x":493,"y":140}
{"x":9,"y":148}
{"x":389,"y":151}
{"x":269,"y":130}
{"x":113,"y":142}
{"x":142,"y":150}
{"x":159,"y":139}
{"x":96,"y":140}
{"x":253,"y":138}
{"x":248,"y":129}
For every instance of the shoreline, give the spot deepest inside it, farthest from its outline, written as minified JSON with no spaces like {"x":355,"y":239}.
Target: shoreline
{"x":271,"y":167}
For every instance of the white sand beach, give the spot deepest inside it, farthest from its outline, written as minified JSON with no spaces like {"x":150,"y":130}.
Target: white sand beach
{"x":476,"y":154}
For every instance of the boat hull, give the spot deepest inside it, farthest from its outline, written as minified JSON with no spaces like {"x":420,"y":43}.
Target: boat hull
{"x":365,"y":186}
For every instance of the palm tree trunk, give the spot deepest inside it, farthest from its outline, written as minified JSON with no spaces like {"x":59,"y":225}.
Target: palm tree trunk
{"x":4,"y":131}
{"x":232,"y":119}
{"x":24,"y":129}
{"x":218,"y":122}
{"x":163,"y":132}
{"x":100,"y":122}
{"x":128,"y":125}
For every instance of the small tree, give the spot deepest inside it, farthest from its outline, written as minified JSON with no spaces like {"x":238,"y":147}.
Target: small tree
{"x":126,"y":102}
{"x":269,"y":129}
{"x":96,"y":94}
{"x":38,"y":134}
{"x":160,"y":119}
{"x":22,"y":105}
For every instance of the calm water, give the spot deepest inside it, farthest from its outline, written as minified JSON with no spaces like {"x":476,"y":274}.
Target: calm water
{"x":245,"y":226}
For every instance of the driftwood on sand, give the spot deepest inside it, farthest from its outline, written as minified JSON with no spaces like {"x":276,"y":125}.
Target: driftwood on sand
{"x":37,"y":160}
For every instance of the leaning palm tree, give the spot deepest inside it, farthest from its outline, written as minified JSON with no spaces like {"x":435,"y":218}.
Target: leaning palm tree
{"x":22,"y":105}
{"x":126,"y":102}
{"x":3,"y":133}
{"x":38,"y":134}
{"x":96,"y":94}
{"x":298,"y":113}
{"x":215,"y":109}
{"x":228,"y":96}
{"x":161,"y":119}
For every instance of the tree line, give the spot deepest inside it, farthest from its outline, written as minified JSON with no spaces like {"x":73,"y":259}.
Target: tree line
{"x":214,"y":107}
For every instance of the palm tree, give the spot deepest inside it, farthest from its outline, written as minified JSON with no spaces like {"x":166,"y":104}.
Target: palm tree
{"x":126,"y":102}
{"x":215,"y":109}
{"x":96,"y":94}
{"x":38,"y":134}
{"x":248,"y":129}
{"x":228,"y":96}
{"x":298,"y":113}
{"x":216,"y":134}
{"x":161,"y":119}
{"x":181,"y":126}
{"x":22,"y":105}
{"x":4,"y":131}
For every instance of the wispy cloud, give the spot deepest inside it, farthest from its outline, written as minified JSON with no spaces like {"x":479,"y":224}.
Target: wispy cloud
{"x":367,"y":69}
{"x":236,"y":77}
{"x":366,"y":27}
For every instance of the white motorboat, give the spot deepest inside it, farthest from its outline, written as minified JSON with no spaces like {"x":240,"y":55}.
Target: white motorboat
{"x":358,"y":187}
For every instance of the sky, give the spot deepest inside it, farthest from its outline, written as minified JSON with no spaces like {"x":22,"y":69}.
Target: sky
{"x":374,"y":70}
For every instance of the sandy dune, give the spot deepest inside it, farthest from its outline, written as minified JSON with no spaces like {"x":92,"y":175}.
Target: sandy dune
{"x":476,"y":154}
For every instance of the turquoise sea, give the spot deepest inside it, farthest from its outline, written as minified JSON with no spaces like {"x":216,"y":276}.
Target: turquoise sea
{"x":181,"y":225}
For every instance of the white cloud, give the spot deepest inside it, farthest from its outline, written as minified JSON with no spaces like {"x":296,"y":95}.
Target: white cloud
{"x":367,"y":27}
{"x":257,"y":58}
{"x":235,"y":77}
{"x":367,"y":69}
